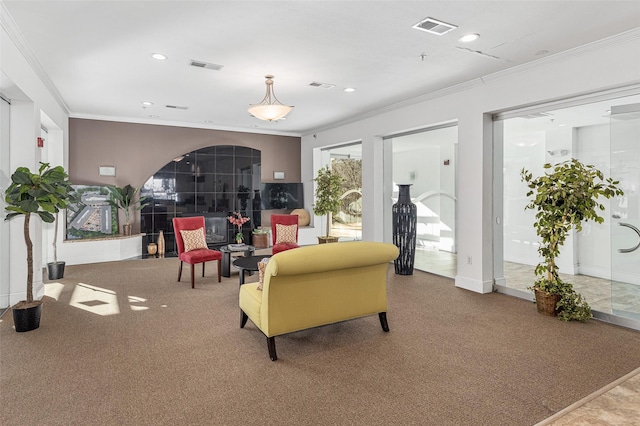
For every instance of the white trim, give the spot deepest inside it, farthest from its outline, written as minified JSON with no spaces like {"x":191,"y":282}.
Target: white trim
{"x":509,"y":72}
{"x":570,"y":101}
{"x":477,"y":286}
{"x":10,"y":26}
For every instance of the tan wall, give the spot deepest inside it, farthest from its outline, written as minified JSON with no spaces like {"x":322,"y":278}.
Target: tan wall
{"x":139,"y":150}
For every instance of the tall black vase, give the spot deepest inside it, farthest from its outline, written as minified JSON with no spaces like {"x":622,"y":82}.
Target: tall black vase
{"x":405,"y":218}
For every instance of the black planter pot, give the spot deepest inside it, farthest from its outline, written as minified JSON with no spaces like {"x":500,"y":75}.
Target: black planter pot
{"x":405,"y":220}
{"x":55,"y":270}
{"x":27,"y":319}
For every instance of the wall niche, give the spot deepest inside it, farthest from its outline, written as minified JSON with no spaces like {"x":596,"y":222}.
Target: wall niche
{"x":214,"y":182}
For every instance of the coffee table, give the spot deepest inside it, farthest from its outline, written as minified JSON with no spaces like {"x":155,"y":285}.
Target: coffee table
{"x":248,"y":263}
{"x":226,"y":251}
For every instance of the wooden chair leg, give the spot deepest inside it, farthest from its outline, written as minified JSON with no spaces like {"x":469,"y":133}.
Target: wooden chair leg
{"x":271,"y":343}
{"x":219,"y":269}
{"x":243,"y":318}
{"x":383,"y":321}
{"x":193,"y":283}
{"x":180,"y":271}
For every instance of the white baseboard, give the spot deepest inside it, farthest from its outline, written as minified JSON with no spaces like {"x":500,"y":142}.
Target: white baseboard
{"x":477,"y":286}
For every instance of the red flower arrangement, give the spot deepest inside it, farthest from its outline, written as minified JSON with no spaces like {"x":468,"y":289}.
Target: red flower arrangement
{"x":238,"y":220}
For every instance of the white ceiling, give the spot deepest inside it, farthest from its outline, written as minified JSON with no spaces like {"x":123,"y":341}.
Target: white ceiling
{"x":97,"y":54}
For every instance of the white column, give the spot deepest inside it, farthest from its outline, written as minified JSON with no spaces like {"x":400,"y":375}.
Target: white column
{"x":25,"y":128}
{"x":475,"y":232}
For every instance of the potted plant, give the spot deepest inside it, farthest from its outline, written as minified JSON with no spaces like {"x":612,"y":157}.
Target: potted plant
{"x":564,"y":198}
{"x":43,"y":194}
{"x":55,"y":269}
{"x":125,"y":199}
{"x":238,"y":220}
{"x":328,"y":191}
{"x":260,"y":238}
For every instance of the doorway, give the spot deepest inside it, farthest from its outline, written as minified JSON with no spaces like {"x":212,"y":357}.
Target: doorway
{"x":427,"y":160}
{"x":600,"y":129}
{"x":625,"y":214}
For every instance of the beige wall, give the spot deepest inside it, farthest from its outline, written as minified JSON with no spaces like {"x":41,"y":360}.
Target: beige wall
{"x":139,"y":150}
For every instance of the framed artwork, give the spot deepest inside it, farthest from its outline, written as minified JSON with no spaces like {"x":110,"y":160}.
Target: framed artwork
{"x":91,"y":216}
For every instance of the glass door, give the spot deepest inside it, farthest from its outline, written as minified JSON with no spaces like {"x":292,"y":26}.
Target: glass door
{"x":625,"y":211}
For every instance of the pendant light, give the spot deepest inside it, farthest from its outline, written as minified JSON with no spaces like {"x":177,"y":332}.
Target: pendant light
{"x":270,"y":108}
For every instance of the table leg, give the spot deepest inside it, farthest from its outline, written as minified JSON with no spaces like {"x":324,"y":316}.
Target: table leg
{"x":226,"y":264}
{"x":247,"y":253}
{"x":241,"y":274}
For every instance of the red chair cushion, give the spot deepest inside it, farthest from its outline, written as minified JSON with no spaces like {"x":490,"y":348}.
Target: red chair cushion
{"x":277,"y":248}
{"x":200,"y":255}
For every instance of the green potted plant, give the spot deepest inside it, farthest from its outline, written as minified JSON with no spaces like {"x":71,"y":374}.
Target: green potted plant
{"x":328,"y":191}
{"x":43,"y":194}
{"x":124,"y":198}
{"x":564,"y":197}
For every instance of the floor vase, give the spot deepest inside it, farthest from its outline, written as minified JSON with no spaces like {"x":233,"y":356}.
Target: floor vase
{"x":404,"y":216}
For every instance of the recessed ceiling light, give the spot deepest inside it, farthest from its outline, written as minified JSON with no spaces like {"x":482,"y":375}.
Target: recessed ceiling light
{"x":349,"y":89}
{"x":159,"y":56}
{"x":468,"y":37}
{"x":147,"y":103}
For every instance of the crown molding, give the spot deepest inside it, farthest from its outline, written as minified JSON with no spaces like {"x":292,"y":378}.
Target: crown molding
{"x":499,"y":75}
{"x":566,"y":55}
{"x":16,"y":36}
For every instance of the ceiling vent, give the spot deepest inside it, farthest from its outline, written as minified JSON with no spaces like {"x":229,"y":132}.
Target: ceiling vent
{"x":176,"y":107}
{"x":205,"y":65}
{"x":434,"y":26}
{"x":322,"y":85}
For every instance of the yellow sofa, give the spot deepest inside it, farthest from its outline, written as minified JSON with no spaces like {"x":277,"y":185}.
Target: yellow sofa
{"x":316,"y":285}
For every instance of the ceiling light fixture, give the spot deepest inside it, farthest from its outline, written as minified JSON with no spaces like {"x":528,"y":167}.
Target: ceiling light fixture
{"x":159,"y":56}
{"x":146,"y":103}
{"x":349,"y":89}
{"x":468,"y":38}
{"x":269,"y":108}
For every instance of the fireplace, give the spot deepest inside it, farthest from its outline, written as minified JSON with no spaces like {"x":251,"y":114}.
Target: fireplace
{"x":216,"y":227}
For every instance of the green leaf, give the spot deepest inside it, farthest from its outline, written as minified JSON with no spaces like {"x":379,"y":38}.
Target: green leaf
{"x":46,"y":216}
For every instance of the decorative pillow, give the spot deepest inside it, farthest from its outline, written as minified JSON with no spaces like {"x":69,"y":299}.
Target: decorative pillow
{"x":286,"y":233}
{"x":193,"y":240}
{"x":261,"y":267}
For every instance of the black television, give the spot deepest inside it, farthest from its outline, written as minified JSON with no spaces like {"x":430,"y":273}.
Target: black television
{"x":276,"y":196}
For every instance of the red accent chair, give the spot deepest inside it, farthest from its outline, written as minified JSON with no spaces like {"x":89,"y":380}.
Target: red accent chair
{"x":194,"y":256}
{"x":283,"y":219}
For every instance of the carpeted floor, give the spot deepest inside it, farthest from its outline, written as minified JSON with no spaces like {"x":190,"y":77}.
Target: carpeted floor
{"x":124,"y":343}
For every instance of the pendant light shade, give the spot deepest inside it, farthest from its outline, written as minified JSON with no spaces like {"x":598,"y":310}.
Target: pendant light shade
{"x":270,"y":108}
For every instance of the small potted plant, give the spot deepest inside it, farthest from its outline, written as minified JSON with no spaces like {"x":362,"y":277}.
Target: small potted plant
{"x":260,"y":238}
{"x":564,"y":198}
{"x":43,"y":194}
{"x":328,"y":191}
{"x":125,"y":199}
{"x":238,"y":220}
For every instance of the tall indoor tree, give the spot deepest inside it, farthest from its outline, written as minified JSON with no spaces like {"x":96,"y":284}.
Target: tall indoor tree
{"x":43,"y":194}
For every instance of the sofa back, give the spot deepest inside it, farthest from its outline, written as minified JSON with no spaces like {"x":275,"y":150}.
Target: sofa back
{"x":322,"y":284}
